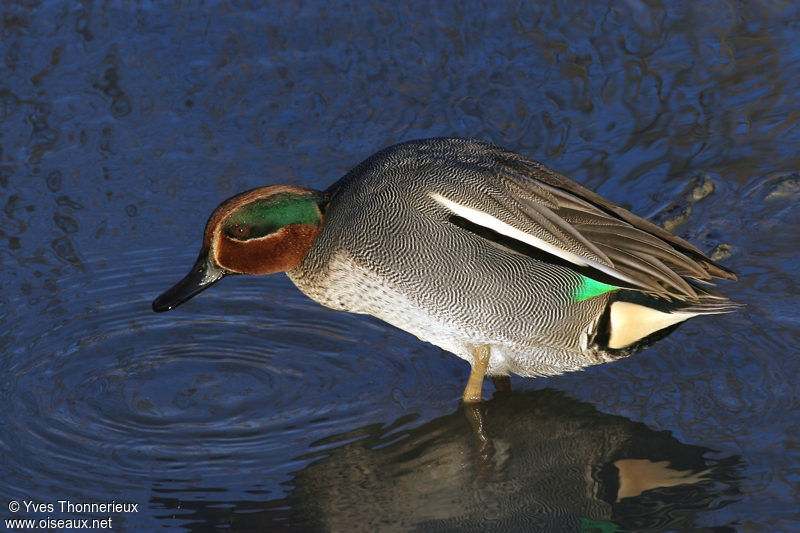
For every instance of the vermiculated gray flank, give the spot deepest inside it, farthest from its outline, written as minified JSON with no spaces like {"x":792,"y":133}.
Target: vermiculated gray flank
{"x":390,"y":247}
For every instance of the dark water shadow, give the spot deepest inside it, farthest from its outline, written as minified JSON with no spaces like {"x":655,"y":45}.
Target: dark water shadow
{"x":534,"y":461}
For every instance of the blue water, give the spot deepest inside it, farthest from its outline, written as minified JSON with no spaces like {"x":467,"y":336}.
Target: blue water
{"x":252,"y":408}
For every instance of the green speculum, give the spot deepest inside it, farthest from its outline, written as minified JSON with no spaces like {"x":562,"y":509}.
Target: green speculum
{"x":590,"y":288}
{"x":262,"y":217}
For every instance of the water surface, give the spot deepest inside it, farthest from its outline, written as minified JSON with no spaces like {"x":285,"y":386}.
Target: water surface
{"x":251,"y":407}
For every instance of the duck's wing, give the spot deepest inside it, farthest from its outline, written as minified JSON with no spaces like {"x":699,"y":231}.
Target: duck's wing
{"x":520,"y":200}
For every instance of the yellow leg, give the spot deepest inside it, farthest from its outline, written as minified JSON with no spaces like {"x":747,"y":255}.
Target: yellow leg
{"x":502,"y":383}
{"x":485,"y":448}
{"x":475,"y":384}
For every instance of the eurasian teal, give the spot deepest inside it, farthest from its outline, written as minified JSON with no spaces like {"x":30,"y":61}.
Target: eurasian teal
{"x":476,"y":249}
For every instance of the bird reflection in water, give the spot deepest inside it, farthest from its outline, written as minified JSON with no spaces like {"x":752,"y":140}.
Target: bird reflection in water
{"x":521,"y":461}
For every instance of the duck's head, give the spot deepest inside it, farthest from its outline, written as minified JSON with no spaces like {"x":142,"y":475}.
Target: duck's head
{"x":261,"y":231}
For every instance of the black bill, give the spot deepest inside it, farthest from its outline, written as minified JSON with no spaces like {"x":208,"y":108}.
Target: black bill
{"x":204,"y":274}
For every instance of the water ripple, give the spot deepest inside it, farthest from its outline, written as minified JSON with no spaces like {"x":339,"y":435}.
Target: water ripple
{"x":114,"y":389}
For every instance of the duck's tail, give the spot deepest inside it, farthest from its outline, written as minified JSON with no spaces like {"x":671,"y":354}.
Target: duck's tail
{"x":634,"y":320}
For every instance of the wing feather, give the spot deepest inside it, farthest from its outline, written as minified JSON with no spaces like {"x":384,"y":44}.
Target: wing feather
{"x":528,"y":202}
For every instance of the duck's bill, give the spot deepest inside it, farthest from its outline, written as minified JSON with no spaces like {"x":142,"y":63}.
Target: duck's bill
{"x":204,"y":274}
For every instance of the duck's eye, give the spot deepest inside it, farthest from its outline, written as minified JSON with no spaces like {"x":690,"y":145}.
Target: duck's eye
{"x":241,"y":230}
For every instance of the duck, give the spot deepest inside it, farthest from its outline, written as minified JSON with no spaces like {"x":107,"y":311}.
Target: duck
{"x":471,"y":247}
